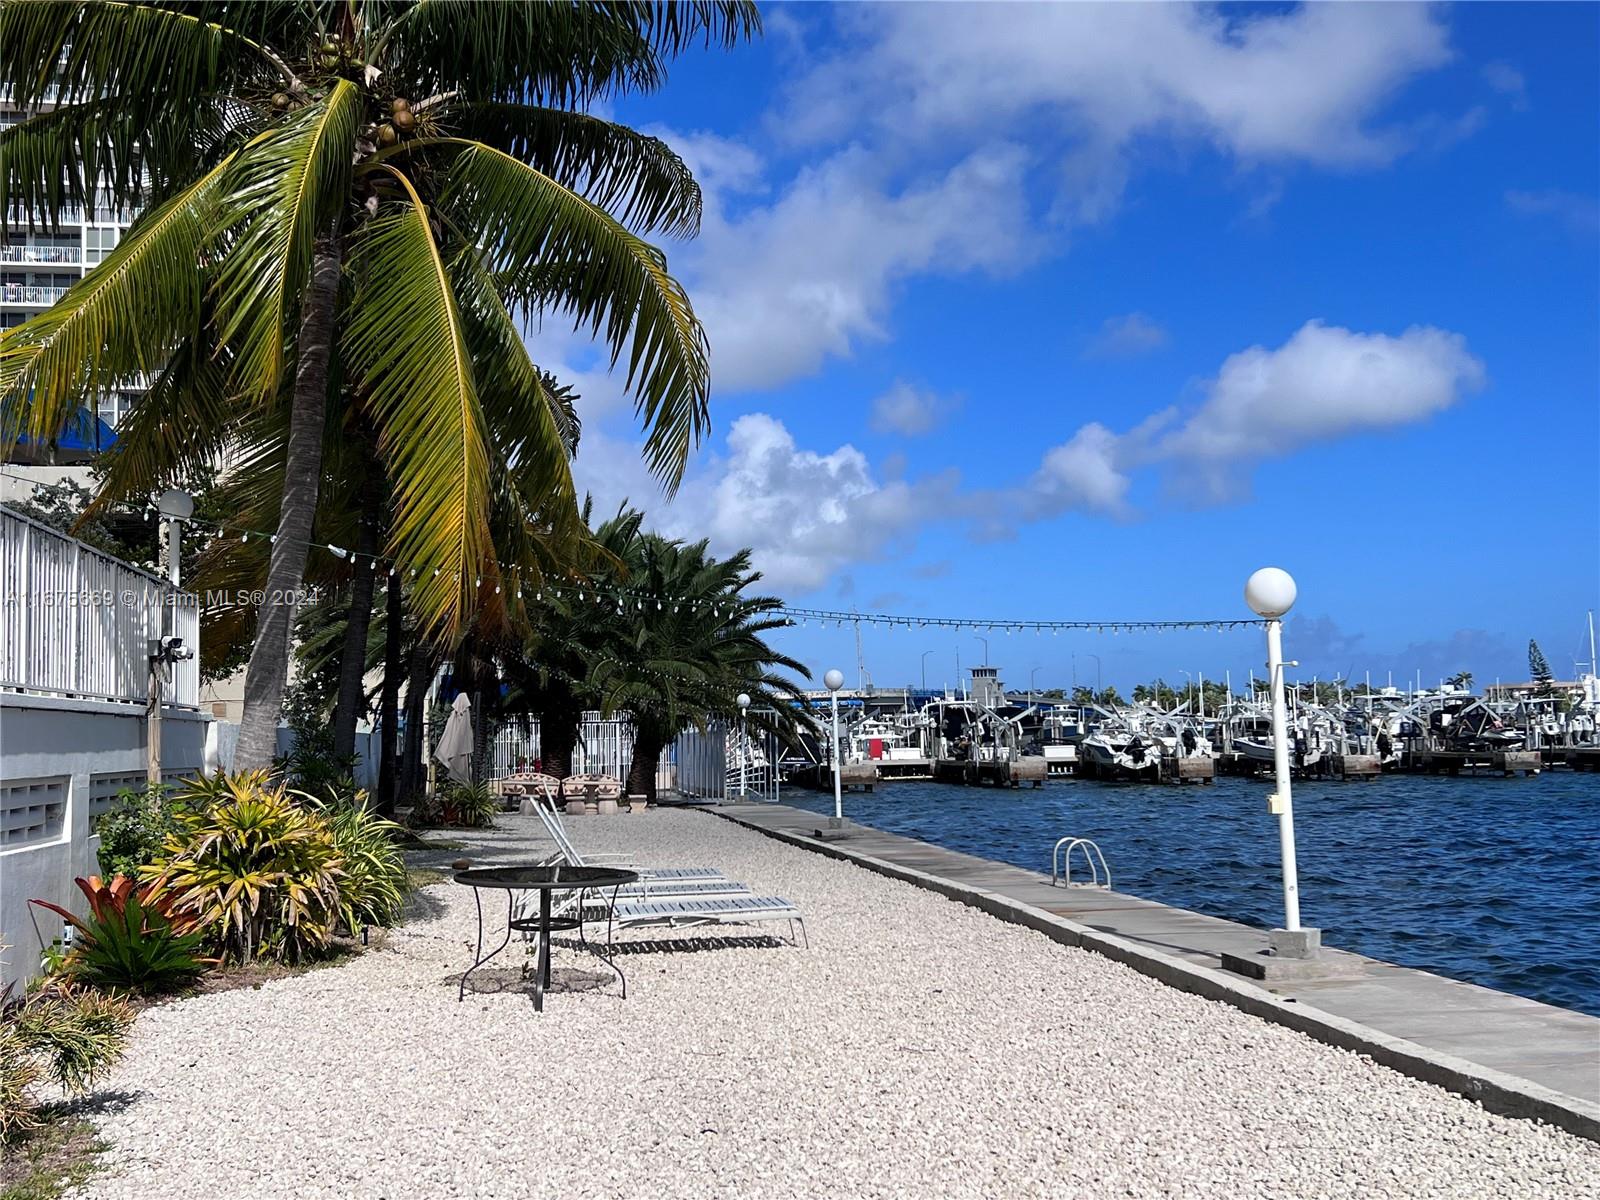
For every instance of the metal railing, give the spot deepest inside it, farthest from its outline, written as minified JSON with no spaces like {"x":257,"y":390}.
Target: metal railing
{"x":42,"y":254}
{"x":78,"y":624}
{"x":27,"y":293}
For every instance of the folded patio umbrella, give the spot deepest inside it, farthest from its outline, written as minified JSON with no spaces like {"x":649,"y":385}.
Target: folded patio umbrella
{"x":455,"y":743}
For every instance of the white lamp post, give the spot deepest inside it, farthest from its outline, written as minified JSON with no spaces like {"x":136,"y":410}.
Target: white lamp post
{"x":175,"y":507}
{"x":744,"y":745}
{"x":1271,"y":592}
{"x":833,"y":681}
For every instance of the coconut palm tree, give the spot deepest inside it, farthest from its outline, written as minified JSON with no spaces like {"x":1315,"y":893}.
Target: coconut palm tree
{"x":355,"y":204}
{"x":685,"y":640}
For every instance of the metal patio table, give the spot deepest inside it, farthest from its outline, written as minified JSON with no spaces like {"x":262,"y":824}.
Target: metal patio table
{"x":544,"y":879}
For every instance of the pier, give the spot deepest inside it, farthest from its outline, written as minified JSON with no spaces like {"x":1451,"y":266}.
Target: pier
{"x":1513,"y":1055}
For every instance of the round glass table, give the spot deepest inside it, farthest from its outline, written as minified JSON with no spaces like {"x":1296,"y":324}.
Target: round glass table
{"x":545,"y":879}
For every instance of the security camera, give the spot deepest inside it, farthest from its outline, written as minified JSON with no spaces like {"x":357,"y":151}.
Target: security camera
{"x":170,"y":648}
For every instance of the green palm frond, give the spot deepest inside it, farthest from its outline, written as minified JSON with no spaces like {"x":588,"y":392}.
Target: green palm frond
{"x":150,"y":56}
{"x":638,"y":179}
{"x":122,"y":320}
{"x":81,"y":154}
{"x":567,"y":53}
{"x":286,"y":188}
{"x":618,"y":286}
{"x":182,"y":427}
{"x":406,"y":345}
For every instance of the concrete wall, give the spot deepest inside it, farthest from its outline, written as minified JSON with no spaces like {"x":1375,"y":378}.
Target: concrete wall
{"x":61,"y":764}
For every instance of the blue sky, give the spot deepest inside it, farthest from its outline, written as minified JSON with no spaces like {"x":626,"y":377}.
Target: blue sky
{"x":1075,"y":312}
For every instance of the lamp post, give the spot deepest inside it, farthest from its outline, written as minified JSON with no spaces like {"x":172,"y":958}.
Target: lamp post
{"x":744,"y":746}
{"x":925,"y":654}
{"x":980,"y":638}
{"x":175,"y":507}
{"x":833,"y":681}
{"x":1031,"y":676}
{"x":1270,"y":593}
{"x":1097,"y":686}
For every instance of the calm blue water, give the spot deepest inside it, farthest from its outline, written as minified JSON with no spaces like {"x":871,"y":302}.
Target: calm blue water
{"x":1491,"y":880}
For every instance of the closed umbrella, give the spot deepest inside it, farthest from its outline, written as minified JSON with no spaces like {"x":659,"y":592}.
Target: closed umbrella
{"x":455,"y":743}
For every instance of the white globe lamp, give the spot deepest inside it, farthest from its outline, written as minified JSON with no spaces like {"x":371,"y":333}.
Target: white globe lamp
{"x":833,"y":680}
{"x":1270,"y":592}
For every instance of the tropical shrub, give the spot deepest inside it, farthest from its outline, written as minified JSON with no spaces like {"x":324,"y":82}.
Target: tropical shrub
{"x":372,"y":885}
{"x":133,"y":832}
{"x":463,"y":805}
{"x":61,"y":1033}
{"x":258,"y":874}
{"x":130,"y":940}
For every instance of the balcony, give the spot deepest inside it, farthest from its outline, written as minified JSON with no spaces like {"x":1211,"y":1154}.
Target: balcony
{"x":30,"y":295}
{"x":41,"y":254}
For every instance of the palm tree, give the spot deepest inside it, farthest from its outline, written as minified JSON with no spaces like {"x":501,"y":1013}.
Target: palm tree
{"x":356,"y":204}
{"x":686,"y":639}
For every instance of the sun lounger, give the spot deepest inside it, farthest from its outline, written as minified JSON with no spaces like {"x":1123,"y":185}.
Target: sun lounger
{"x":684,"y":911}
{"x":648,"y":875}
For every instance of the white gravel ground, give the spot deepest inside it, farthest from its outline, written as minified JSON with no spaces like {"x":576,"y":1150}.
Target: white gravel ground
{"x":918,"y":1048}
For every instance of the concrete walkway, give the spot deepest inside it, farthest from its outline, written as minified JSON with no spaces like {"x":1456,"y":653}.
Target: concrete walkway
{"x":1514,"y":1054}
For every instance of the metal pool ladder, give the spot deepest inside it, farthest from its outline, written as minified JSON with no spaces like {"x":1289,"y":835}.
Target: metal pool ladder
{"x":1093,"y":860}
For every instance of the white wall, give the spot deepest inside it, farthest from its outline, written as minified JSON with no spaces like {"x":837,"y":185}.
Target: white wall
{"x":61,"y":762}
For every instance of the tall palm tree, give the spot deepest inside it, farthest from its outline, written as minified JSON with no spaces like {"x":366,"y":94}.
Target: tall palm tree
{"x":686,"y":640}
{"x":356,"y":202}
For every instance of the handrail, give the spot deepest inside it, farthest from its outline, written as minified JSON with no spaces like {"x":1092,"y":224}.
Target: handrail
{"x":1094,"y":860}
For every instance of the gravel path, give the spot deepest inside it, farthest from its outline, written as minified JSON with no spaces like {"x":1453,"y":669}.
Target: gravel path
{"x":918,"y":1047}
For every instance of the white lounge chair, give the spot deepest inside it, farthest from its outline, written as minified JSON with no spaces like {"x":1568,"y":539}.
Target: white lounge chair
{"x":648,"y":876}
{"x":697,"y":910}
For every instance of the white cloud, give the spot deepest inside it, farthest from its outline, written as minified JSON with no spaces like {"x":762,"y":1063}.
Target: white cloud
{"x":1508,"y":81}
{"x":1579,"y":213}
{"x":1082,"y":474}
{"x":910,"y":411}
{"x":783,"y":286}
{"x":1303,"y":84}
{"x":1127,"y":337}
{"x":805,"y":515}
{"x":1323,"y":384}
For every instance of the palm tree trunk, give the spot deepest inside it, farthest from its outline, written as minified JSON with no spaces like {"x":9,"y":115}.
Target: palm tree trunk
{"x":558,"y":736}
{"x":353,"y":656}
{"x":413,"y":770}
{"x":647,"y":747}
{"x":394,"y":668}
{"x":269,"y":657}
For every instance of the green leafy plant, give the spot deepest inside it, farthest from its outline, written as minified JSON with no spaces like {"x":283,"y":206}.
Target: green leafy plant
{"x":130,"y":940}
{"x":60,"y":1033}
{"x":372,"y":885}
{"x":258,"y":874}
{"x":133,"y":832}
{"x":460,"y":805}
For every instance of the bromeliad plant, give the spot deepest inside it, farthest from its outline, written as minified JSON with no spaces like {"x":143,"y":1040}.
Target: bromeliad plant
{"x":257,"y":873}
{"x":131,"y":940}
{"x":350,"y":211}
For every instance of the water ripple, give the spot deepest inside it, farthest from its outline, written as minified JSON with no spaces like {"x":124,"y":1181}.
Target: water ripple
{"x":1495,"y":881}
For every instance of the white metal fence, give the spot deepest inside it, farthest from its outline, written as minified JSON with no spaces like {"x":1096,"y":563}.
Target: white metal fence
{"x":697,"y":765}
{"x":78,"y":623}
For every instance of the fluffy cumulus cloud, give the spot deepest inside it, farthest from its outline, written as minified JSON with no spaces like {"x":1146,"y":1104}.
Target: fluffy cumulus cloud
{"x":1324,"y":383}
{"x":796,"y":267}
{"x":1127,"y":337}
{"x":786,"y":284}
{"x":805,"y":515}
{"x":1261,"y":84}
{"x":910,"y":411}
